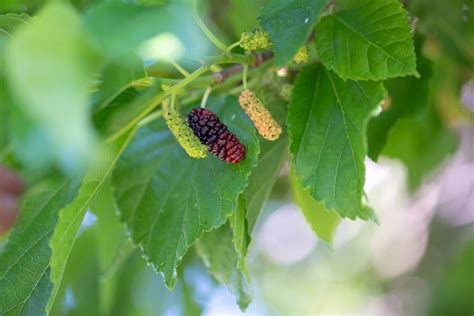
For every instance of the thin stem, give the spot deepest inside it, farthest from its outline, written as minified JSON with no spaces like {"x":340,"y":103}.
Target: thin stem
{"x":179,"y":68}
{"x":206,"y":96}
{"x":231,"y":47}
{"x":150,"y":118}
{"x":173,"y":101}
{"x":206,"y":30}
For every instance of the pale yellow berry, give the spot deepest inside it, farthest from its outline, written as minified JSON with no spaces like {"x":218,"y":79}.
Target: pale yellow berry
{"x":262,"y":118}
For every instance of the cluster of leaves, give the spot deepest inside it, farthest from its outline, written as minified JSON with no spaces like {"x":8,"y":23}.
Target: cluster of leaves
{"x":79,"y":120}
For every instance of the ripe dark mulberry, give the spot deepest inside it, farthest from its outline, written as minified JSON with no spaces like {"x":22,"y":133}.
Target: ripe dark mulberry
{"x":215,"y":135}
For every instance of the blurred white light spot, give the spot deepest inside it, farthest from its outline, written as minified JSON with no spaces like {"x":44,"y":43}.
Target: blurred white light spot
{"x":165,"y":46}
{"x":282,"y":72}
{"x":89,"y":220}
{"x":286,"y":237}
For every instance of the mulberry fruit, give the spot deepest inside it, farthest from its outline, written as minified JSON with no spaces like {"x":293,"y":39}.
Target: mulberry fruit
{"x":302,"y":55}
{"x":183,"y":134}
{"x":262,"y":119}
{"x":215,"y":135}
{"x":255,"y":40}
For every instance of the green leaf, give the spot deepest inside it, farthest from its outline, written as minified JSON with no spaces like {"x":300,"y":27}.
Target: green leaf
{"x":323,"y":222}
{"x":367,"y":40}
{"x":127,"y":108}
{"x":219,"y":256}
{"x":9,"y":21}
{"x":168,"y":199}
{"x":51,"y":85}
{"x":24,"y":263}
{"x":421,"y":143}
{"x":289,"y":24}
{"x":408,"y":97}
{"x":327,"y":122}
{"x":113,"y":247}
{"x":119,"y":29}
{"x":70,"y":218}
{"x":241,"y":240}
{"x":270,"y":160}
{"x":117,"y":77}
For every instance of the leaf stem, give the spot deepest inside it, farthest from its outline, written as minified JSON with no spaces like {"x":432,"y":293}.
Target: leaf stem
{"x":206,"y":96}
{"x":179,"y":68}
{"x":231,"y":47}
{"x":206,"y":30}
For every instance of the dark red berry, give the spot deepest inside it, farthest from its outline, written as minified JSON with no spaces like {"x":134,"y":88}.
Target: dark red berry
{"x":215,"y":135}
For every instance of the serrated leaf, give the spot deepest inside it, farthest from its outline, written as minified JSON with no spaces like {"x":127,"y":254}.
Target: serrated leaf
{"x":219,"y":256}
{"x":421,"y":143}
{"x":24,"y":263}
{"x":71,"y":217}
{"x":367,"y":40}
{"x":270,"y":160}
{"x":323,"y":222}
{"x":168,"y":199}
{"x":54,"y":92}
{"x":289,"y":24}
{"x":327,"y":122}
{"x":408,"y":97}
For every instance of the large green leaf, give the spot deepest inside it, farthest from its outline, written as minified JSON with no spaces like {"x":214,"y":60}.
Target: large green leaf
{"x":323,"y":222}
{"x":24,"y":264}
{"x":421,"y":143}
{"x":49,"y":66}
{"x":289,"y":24}
{"x":168,"y":199}
{"x":327,"y":122}
{"x":367,"y":40}
{"x":70,"y":218}
{"x":408,"y":97}
{"x":217,"y":251}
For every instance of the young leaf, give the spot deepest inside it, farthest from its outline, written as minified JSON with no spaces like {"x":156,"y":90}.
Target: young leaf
{"x":327,"y":120}
{"x":70,"y":218}
{"x":289,"y":24}
{"x":241,"y":240}
{"x":408,"y":97}
{"x":54,"y":92}
{"x":219,"y":256}
{"x":367,"y":40}
{"x":126,"y":109}
{"x":323,"y":222}
{"x":117,"y":77}
{"x":24,"y":263}
{"x":168,"y":199}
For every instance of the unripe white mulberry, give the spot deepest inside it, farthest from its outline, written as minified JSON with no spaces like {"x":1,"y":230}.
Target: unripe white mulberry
{"x":262,"y":118}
